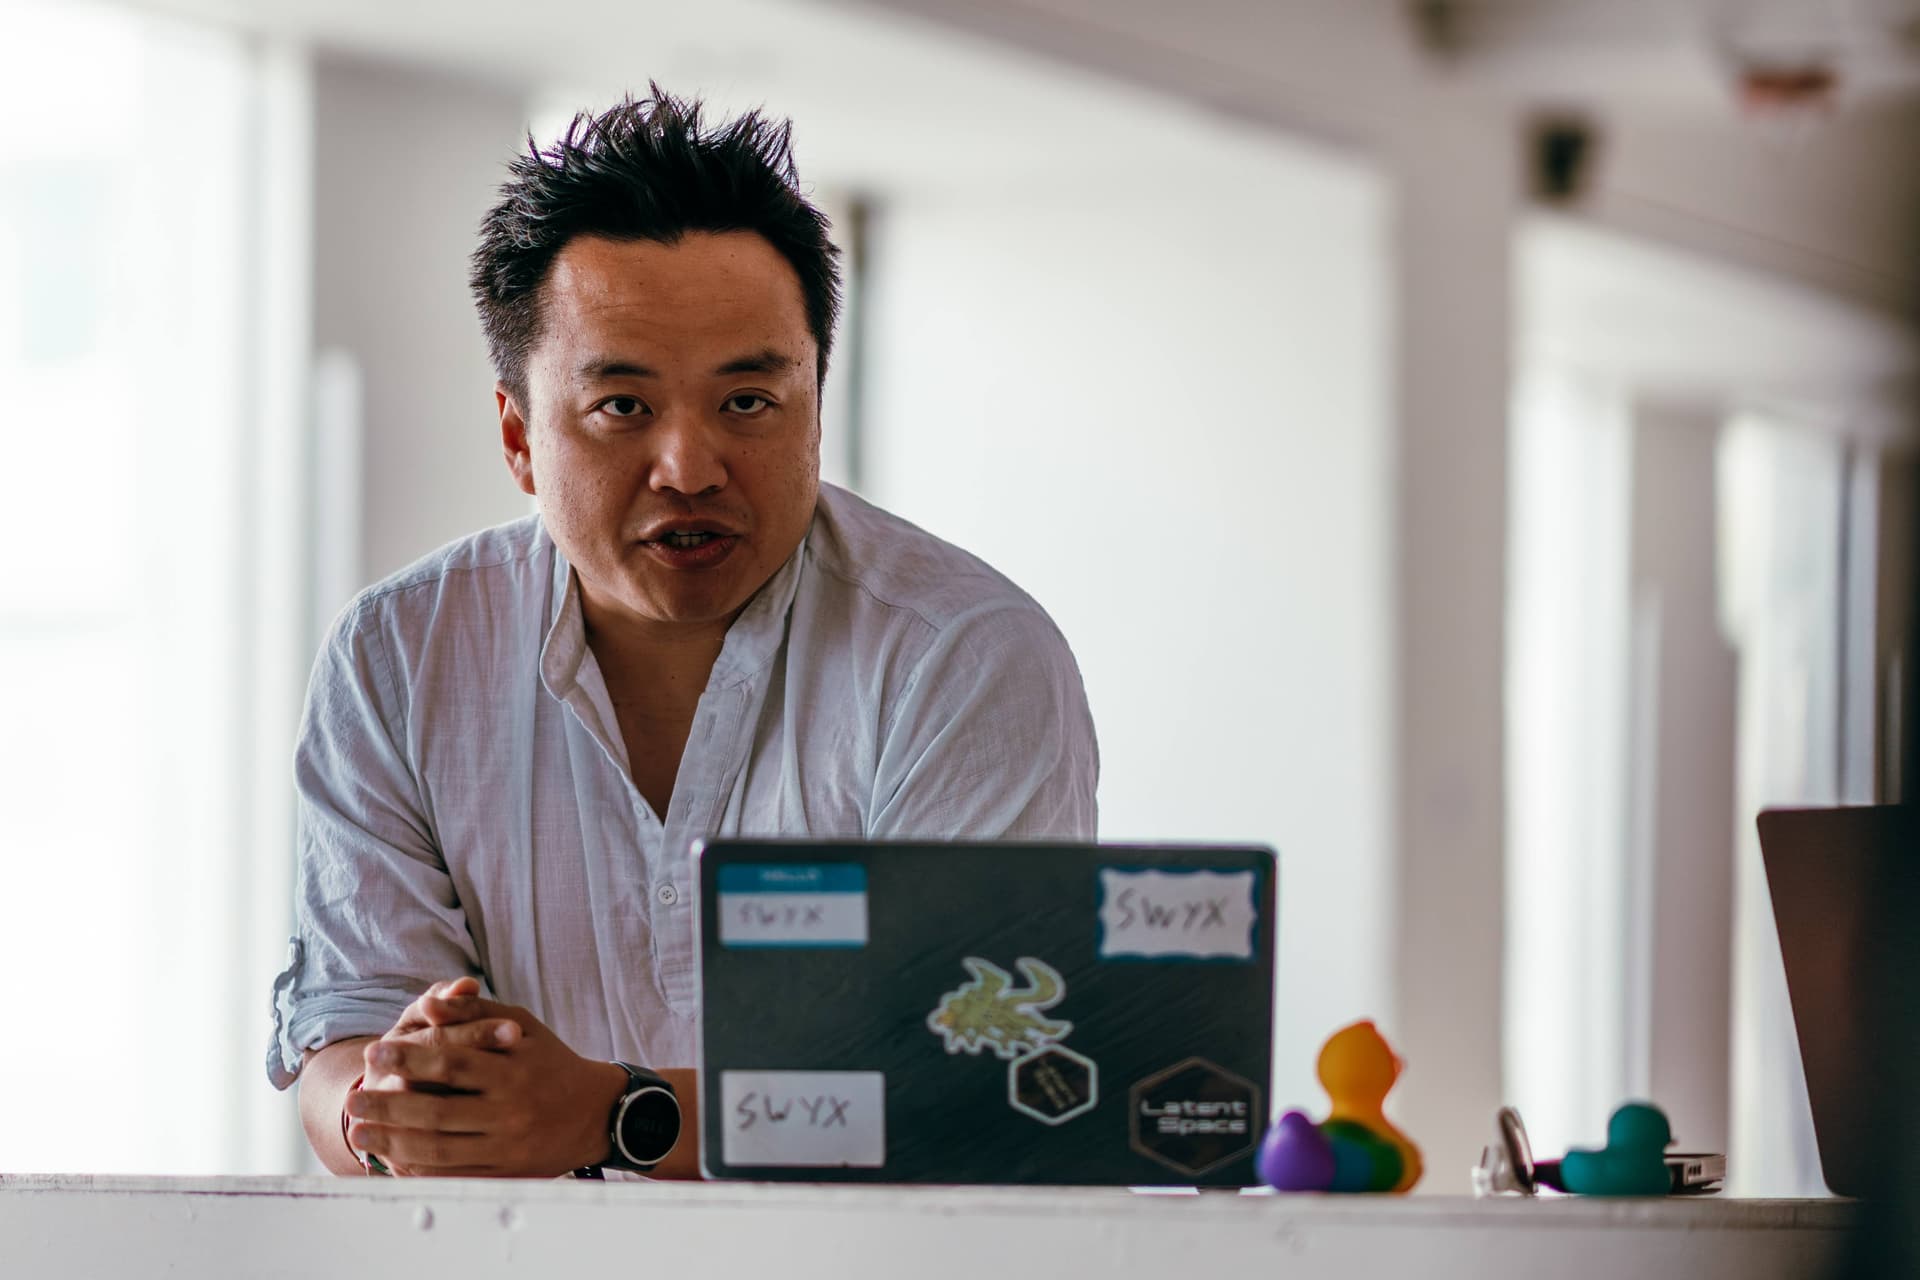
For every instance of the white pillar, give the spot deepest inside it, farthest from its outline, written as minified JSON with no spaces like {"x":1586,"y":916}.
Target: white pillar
{"x":1456,"y":188}
{"x":1679,"y":959}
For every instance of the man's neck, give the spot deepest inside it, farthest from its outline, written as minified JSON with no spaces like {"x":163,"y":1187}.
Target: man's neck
{"x":660,"y":665}
{"x":655,"y":675}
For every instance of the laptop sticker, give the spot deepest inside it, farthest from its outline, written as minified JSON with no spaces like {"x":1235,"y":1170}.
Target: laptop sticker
{"x":804,"y":1119}
{"x":1053,"y":1085}
{"x":989,"y":1012}
{"x":1177,"y":915}
{"x":767,"y":905}
{"x":1194,"y":1116}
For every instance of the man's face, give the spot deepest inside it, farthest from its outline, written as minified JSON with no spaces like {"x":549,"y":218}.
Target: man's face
{"x":672,"y":430}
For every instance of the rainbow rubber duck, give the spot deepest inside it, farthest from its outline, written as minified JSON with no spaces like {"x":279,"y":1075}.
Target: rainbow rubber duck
{"x":1357,"y":1069}
{"x":1354,"y":1148}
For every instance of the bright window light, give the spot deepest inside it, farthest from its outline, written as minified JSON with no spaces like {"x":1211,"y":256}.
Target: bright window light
{"x":123,"y":227}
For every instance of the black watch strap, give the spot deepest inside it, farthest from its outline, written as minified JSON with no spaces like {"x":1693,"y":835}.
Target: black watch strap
{"x":644,"y":1089}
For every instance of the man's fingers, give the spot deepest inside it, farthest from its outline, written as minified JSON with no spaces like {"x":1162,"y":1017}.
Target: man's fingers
{"x":451,"y":1066}
{"x":440,"y":1011}
{"x":441,"y":999}
{"x":437,"y":1113}
{"x":446,"y":1001}
{"x":418,"y":1150}
{"x":470,"y":1008}
{"x":487,"y":1033}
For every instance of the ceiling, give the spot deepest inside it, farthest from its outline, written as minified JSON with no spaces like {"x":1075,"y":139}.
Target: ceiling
{"x":922,"y":93}
{"x":1679,"y":52}
{"x":880,"y":96}
{"x":1665,"y":322}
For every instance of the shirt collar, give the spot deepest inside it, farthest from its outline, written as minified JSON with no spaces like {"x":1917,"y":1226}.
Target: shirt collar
{"x":751,"y":641}
{"x":565,"y":647}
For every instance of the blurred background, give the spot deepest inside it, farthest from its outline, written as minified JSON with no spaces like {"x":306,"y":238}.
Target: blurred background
{"x":1469,"y":445}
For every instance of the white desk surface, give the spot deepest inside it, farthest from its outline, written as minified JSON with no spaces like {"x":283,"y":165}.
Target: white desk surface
{"x":360,"y":1227}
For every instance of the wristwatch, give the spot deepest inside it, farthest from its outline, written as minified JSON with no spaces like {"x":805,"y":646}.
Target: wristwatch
{"x":645,"y":1122}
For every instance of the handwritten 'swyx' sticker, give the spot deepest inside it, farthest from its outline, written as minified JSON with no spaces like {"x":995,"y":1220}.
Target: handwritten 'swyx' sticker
{"x":1177,"y":914}
{"x":816,"y":905}
{"x":804,"y":1119}
{"x":990,"y":1013}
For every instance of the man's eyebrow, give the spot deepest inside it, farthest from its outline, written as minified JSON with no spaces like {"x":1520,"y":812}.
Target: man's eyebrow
{"x":766,"y":360}
{"x":607,"y":367}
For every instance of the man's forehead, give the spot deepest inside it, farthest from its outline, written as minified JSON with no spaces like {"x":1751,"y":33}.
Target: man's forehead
{"x":700,"y":269}
{"x":707,"y":297}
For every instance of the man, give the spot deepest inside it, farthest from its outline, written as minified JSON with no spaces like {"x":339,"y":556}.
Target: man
{"x":509,"y":747}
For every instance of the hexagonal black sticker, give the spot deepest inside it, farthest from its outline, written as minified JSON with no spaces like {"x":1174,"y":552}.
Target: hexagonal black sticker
{"x":1194,"y":1117}
{"x":1053,"y":1085}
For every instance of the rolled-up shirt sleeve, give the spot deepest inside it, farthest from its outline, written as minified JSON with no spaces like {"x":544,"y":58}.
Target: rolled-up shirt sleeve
{"x":992,"y":739}
{"x":376,"y":917}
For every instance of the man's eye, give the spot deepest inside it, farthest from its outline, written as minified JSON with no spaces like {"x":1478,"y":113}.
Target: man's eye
{"x":623,"y":406}
{"x":748,"y":403}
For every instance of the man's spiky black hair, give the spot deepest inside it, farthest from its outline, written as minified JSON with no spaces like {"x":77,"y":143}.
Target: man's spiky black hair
{"x":647,"y":169}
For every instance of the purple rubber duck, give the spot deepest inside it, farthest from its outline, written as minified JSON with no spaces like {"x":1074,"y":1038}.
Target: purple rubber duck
{"x":1296,"y":1156}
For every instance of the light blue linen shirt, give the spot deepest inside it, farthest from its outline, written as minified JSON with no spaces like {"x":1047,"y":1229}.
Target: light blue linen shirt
{"x":465,"y":804}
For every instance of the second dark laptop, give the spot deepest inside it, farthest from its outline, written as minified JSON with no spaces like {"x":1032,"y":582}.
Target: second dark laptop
{"x":985,"y":1013}
{"x":1846,"y":898}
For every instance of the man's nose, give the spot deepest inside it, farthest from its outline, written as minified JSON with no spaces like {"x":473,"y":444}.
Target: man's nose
{"x":688,"y":460}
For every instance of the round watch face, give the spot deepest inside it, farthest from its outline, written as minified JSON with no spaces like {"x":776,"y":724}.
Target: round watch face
{"x":649,"y":1124}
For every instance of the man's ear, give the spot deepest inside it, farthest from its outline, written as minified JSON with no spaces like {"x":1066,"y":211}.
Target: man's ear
{"x":513,"y":438}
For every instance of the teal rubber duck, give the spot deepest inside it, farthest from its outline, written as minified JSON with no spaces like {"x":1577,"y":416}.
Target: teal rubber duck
{"x":1633,"y":1163}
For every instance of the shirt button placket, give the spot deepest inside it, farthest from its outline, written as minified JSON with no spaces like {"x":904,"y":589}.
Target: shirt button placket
{"x":668,"y":895}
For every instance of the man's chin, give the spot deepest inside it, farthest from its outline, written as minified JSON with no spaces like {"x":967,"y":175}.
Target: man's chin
{"x":684,"y":607}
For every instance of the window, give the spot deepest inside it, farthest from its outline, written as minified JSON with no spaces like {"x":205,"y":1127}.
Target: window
{"x":130,"y":654}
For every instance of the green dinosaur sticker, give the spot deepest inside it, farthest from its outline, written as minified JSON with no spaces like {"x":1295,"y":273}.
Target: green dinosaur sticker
{"x":990,"y":1013}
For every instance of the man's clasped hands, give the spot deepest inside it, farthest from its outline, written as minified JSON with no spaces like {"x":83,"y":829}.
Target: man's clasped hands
{"x":466,"y":1086}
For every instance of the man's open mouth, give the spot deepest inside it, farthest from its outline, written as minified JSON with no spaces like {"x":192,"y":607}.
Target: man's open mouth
{"x":691,"y":548}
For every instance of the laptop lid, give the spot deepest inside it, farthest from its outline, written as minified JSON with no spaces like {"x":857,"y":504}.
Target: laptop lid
{"x":1843,"y":886}
{"x":985,"y":1013}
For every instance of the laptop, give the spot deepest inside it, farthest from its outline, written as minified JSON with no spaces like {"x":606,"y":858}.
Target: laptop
{"x":1846,"y":898}
{"x":985,"y":1013}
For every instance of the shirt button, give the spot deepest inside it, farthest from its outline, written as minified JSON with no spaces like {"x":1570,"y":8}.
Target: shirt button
{"x":668,"y":895}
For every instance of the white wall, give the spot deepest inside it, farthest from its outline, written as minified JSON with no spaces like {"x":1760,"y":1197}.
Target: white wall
{"x":1164,"y":414}
{"x":405,"y":163}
